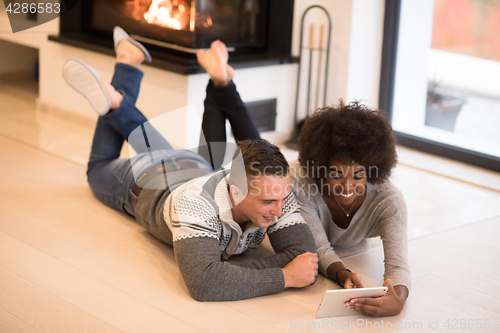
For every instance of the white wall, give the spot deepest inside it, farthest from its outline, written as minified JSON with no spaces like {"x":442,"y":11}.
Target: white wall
{"x":257,"y":83}
{"x":365,"y":53}
{"x":161,"y":91}
{"x":35,"y":37}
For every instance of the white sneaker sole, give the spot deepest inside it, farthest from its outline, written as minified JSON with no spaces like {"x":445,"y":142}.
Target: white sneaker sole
{"x":85,"y":81}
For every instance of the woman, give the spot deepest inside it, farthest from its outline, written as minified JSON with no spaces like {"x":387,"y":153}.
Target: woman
{"x":346,"y":154}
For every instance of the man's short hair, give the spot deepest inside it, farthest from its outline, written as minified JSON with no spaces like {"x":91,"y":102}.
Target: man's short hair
{"x":255,"y":158}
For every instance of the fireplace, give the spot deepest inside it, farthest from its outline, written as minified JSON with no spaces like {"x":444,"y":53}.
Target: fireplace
{"x":257,"y":32}
{"x":187,"y":23}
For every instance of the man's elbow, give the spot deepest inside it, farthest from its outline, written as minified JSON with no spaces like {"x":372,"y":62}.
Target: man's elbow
{"x":201,"y":292}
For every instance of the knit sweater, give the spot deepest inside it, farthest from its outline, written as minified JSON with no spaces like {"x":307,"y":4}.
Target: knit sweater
{"x":382,"y":214}
{"x":196,"y":218}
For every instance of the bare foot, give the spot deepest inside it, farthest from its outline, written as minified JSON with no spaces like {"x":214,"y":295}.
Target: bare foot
{"x":114,"y":96}
{"x":129,"y":54}
{"x":214,"y":61}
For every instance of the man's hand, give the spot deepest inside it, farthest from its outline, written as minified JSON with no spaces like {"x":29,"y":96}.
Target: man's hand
{"x":390,"y":304}
{"x":301,"y":271}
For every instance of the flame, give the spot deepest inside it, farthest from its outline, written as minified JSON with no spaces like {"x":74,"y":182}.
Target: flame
{"x":192,"y":16}
{"x":161,"y":12}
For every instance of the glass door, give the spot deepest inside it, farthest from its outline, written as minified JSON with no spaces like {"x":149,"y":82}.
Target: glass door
{"x":446,"y":75}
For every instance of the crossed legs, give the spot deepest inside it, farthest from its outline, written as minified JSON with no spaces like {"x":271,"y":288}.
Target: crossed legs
{"x":109,"y":176}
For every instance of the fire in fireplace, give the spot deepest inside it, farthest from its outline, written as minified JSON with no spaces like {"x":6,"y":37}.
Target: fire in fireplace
{"x":189,"y":23}
{"x":258,"y":32}
{"x":167,"y":13}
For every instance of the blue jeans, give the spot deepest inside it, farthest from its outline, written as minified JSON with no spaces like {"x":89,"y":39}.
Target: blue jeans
{"x":111,"y":178}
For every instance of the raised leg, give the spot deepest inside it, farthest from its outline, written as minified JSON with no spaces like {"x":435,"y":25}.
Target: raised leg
{"x":222,"y":102}
{"x":109,"y":176}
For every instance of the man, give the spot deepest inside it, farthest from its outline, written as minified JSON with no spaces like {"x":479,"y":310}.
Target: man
{"x":176,"y":196}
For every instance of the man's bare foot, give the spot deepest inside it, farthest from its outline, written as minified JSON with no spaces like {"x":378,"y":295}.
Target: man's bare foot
{"x":114,"y":96}
{"x":129,"y":54}
{"x":214,"y":61}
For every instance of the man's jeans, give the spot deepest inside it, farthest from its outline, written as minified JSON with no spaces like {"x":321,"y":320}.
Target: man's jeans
{"x":110,"y":177}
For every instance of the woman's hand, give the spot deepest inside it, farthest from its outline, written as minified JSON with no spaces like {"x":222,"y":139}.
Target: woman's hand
{"x":337,"y":272}
{"x":390,"y":304}
{"x":352,"y":280}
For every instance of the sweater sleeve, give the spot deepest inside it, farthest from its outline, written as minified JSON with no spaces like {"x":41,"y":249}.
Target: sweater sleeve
{"x":310,"y":213}
{"x":208,"y":278}
{"x":393,"y":232}
{"x":288,"y":243}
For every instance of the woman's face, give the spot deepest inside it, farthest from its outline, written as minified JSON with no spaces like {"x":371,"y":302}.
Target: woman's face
{"x":346,"y":181}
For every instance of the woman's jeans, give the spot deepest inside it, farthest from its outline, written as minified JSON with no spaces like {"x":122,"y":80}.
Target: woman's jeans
{"x":112,"y":178}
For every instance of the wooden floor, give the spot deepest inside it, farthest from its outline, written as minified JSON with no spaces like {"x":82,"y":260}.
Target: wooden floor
{"x":70,"y":264}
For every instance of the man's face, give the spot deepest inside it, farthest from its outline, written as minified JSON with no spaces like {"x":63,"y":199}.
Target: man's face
{"x":266,"y":197}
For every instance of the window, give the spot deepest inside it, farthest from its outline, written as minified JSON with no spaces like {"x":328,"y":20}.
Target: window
{"x":441,"y":77}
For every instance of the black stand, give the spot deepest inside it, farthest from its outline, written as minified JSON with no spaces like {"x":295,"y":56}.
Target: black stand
{"x":292,"y":143}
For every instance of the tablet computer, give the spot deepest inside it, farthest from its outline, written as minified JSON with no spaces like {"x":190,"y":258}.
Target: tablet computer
{"x":333,"y":303}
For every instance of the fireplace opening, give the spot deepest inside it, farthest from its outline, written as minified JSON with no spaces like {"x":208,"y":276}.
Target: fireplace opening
{"x":187,"y":23}
{"x":257,"y":32}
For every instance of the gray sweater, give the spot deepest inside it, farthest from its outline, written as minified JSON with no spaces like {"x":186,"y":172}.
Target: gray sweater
{"x":382,"y":214}
{"x":196,"y":219}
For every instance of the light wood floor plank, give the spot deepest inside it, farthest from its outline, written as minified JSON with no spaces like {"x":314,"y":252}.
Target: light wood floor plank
{"x":437,"y":302}
{"x":41,"y":235}
{"x":166,"y":291}
{"x":454,"y":295}
{"x":415,"y":271}
{"x":43,"y":310}
{"x":272,"y":309}
{"x":89,"y":294}
{"x":309,"y":323}
{"x":491,"y":225}
{"x":311,"y":296}
{"x":465,"y":264}
{"x":481,"y":235}
{"x":453,"y":248}
{"x":112,"y":230}
{"x":10,"y":323}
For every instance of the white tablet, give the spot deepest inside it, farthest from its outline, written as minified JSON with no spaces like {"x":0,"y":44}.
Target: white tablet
{"x":333,"y":303}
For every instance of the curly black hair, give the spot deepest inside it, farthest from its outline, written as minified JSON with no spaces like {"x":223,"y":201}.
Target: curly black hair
{"x":349,"y":133}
